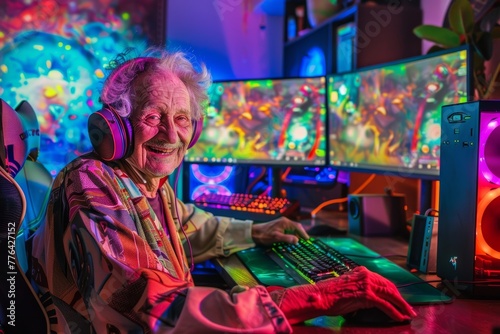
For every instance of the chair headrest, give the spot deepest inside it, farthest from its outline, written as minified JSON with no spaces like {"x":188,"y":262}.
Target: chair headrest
{"x":19,"y":136}
{"x":31,"y":128}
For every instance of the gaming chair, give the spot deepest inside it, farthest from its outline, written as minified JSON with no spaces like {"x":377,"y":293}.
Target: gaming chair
{"x":35,"y":181}
{"x":21,"y":311}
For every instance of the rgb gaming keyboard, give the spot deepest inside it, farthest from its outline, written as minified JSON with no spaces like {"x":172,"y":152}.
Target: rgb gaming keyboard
{"x":272,"y":266}
{"x":258,"y":208}
{"x":310,"y":260}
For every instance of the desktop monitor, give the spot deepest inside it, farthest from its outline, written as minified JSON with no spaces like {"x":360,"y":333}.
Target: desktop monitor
{"x":387,"y":118}
{"x":309,"y":56}
{"x":273,"y":122}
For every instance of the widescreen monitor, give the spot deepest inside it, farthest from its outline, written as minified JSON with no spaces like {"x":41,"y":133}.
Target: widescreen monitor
{"x":264,"y":122}
{"x":387,"y":118}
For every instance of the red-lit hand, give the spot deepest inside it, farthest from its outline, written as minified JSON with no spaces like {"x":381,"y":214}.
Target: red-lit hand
{"x":359,"y":289}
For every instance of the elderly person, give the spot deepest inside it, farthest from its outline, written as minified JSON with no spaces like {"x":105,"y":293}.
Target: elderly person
{"x":113,"y":254}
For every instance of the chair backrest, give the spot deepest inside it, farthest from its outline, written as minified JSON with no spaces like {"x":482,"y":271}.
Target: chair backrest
{"x":35,"y":181}
{"x":21,"y":311}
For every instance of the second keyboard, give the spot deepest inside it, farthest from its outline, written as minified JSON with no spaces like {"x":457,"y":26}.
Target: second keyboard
{"x":258,"y":208}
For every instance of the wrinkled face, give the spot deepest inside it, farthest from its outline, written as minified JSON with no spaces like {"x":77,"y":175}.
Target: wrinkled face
{"x":161,"y":119}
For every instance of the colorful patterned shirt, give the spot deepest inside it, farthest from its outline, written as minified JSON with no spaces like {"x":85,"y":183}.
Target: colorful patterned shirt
{"x":103,"y":261}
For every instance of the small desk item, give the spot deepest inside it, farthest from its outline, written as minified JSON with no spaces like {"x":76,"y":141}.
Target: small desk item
{"x":268,"y":270}
{"x":422,"y":249}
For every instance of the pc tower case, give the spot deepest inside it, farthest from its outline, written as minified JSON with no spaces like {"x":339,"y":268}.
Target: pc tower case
{"x":469,"y":200}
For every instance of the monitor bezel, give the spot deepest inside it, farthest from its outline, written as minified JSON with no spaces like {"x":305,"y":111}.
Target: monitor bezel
{"x":424,"y":174}
{"x":275,"y":163}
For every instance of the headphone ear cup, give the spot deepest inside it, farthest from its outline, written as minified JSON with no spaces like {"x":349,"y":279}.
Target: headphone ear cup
{"x":197,"y":127}
{"x":110,"y":134}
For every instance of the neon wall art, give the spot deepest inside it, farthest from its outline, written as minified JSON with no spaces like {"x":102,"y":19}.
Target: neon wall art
{"x":53,"y":53}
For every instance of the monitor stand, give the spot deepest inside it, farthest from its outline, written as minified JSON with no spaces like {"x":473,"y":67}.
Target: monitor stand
{"x":274,"y":175}
{"x":426,"y":196}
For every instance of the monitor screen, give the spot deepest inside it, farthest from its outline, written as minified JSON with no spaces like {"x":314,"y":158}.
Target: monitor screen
{"x":264,"y":122}
{"x":387,"y":118}
{"x":308,"y":57}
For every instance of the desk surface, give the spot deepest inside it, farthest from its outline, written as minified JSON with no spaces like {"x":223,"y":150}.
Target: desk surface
{"x":461,"y":316}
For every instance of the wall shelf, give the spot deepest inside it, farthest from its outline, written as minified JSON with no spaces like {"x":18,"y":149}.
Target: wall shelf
{"x":361,"y":35}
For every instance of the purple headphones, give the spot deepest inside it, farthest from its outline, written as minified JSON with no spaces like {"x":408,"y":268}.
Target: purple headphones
{"x":111,"y":134}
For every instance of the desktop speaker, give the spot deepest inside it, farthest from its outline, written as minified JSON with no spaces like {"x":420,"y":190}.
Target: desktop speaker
{"x":376,"y":214}
{"x":469,"y":200}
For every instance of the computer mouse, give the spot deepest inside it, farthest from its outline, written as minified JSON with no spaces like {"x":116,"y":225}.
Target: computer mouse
{"x":323,"y":230}
{"x":372,"y":317}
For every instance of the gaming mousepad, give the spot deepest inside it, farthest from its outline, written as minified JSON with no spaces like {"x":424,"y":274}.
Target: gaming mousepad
{"x":413,"y":289}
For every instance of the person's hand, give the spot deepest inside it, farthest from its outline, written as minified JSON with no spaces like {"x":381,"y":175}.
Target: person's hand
{"x":358,"y":289}
{"x":278,"y":230}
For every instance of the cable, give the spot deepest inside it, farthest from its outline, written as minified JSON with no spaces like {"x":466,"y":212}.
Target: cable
{"x":431,"y":210}
{"x":285,"y":173}
{"x":255,"y":181}
{"x":343,"y":199}
{"x":267,"y":192}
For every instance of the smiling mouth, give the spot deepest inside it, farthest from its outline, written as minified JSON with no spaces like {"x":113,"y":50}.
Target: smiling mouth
{"x":160,"y":150}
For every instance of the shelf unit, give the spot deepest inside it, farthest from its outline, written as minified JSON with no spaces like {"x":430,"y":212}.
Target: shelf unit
{"x":361,"y":35}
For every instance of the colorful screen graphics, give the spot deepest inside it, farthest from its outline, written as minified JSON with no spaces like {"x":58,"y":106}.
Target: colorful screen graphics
{"x":54,"y":53}
{"x":388,"y":118}
{"x":264,"y":122}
